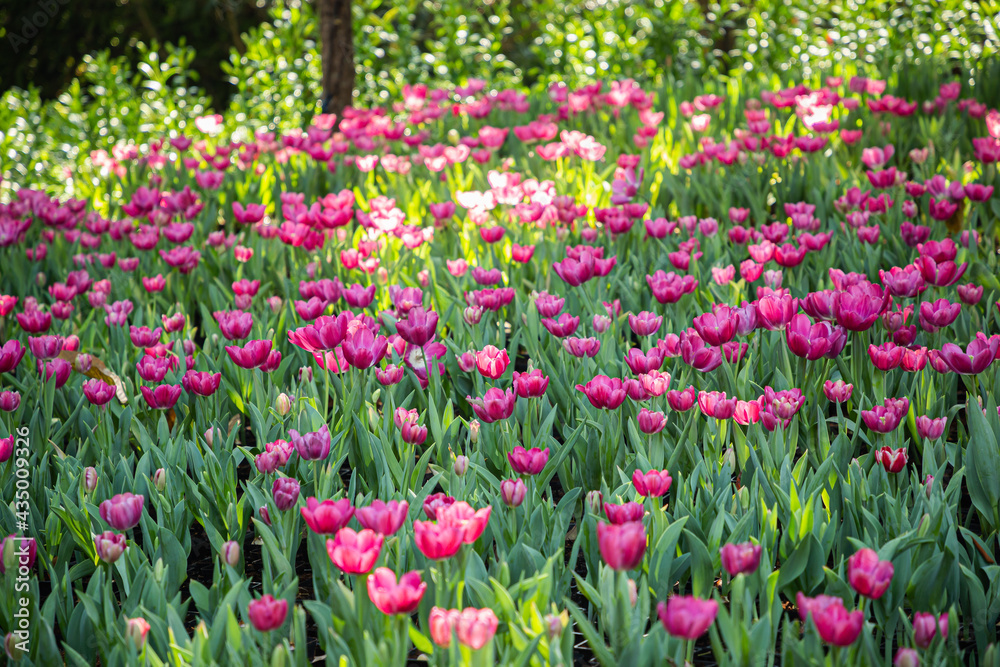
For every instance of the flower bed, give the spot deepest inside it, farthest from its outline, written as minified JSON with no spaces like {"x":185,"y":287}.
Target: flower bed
{"x":609,"y":374}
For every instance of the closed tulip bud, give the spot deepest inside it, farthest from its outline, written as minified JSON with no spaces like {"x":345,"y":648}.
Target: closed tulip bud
{"x":209,"y":436}
{"x":160,"y":479}
{"x":265,"y":516}
{"x":512,"y":492}
{"x":461,"y":465}
{"x":90,"y":479}
{"x":472,"y":315}
{"x":305,"y":374}
{"x":230,"y":553}
{"x":283,"y":404}
{"x":40,"y":279}
{"x":906,"y":657}
{"x":633,"y":591}
{"x":595,"y":501}
{"x":740,"y":558}
{"x":267,"y":614}
{"x":11,"y":646}
{"x":83,"y":363}
{"x":555,"y":624}
{"x":474,"y":427}
{"x":136,"y":630}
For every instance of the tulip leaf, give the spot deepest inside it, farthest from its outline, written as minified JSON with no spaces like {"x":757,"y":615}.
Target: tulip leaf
{"x":593,"y":638}
{"x":982,"y":464}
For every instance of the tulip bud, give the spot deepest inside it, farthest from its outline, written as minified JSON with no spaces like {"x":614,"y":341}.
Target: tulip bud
{"x":472,"y":315}
{"x":424,"y":278}
{"x":474,"y":431}
{"x":453,"y":136}
{"x":90,"y":479}
{"x":83,"y":363}
{"x":10,"y":646}
{"x":110,"y":546}
{"x":160,"y":479}
{"x":275,"y":303}
{"x":512,"y":492}
{"x":265,"y":516}
{"x":40,"y":279}
{"x":595,"y":501}
{"x":555,"y":624}
{"x":136,"y":630}
{"x":382,"y":275}
{"x":305,"y":374}
{"x":461,"y":465}
{"x":283,"y":404}
{"x":906,"y":657}
{"x":928,"y":485}
{"x":209,"y":435}
{"x":633,"y":592}
{"x":231,"y":553}
{"x":601,"y":323}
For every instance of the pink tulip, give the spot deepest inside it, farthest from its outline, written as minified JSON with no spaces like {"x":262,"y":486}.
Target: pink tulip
{"x":622,"y":546}
{"x":740,"y":558}
{"x":383,"y":518}
{"x":868,"y":575}
{"x":687,"y":617}
{"x":437,"y":541}
{"x":528,"y":461}
{"x":327,"y":517}
{"x":267,"y":614}
{"x":354,"y":552}
{"x":123,"y":511}
{"x":652,"y":484}
{"x":492,"y":362}
{"x":604,"y":393}
{"x":513,"y":492}
{"x":395,"y":597}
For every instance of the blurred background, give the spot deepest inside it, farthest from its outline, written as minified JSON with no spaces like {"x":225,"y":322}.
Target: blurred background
{"x":237,"y":45}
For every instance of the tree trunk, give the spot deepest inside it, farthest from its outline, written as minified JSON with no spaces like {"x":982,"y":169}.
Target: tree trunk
{"x":336,"y":30}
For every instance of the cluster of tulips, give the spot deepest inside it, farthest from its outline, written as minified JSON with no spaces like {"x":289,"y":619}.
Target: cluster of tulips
{"x":441,"y":361}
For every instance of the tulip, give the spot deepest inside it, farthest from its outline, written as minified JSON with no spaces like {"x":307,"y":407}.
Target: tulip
{"x":604,"y":392}
{"x":565,"y":325}
{"x":267,"y":614}
{"x":476,"y":627}
{"x":697,"y":354}
{"x":98,"y":392}
{"x":495,"y":405}
{"x":230,"y":553}
{"x":492,"y":362}
{"x":622,"y":546}
{"x":906,"y":657}
{"x":314,"y":446}
{"x":651,"y":422}
{"x":11,"y":354}
{"x":652,"y":484}
{"x":775,"y":311}
{"x":938,"y":314}
{"x":940,"y":273}
{"x":437,"y":541}
{"x":813,"y":341}
{"x":531,"y":384}
{"x":885,"y":357}
{"x":110,"y":546}
{"x":355,"y":552}
{"x":582,"y":347}
{"x":645,"y":323}
{"x":932,"y":429}
{"x":327,"y":517}
{"x":717,"y":327}
{"x":435,"y":502}
{"x":471,"y":522}
{"x":285,"y":492}
{"x":252,"y":355}
{"x":549,"y":305}
{"x":384,"y":518}
{"x":927,"y":626}
{"x":513,"y":492}
{"x":390,"y":375}
{"x":859,"y":306}
{"x":976,"y":358}
{"x":868,"y":575}
{"x":715,"y":404}
{"x":363,"y":349}
{"x":740,"y":558}
{"x":419,"y":326}
{"x":837,"y":391}
{"x":528,"y":461}
{"x":835,"y":624}
{"x":687,"y":617}
{"x":202,"y":384}
{"x":893,"y":460}
{"x":395,"y":597}
{"x":682,"y":401}
{"x":136,"y":630}
{"x":624,"y":513}
{"x":123,"y":511}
